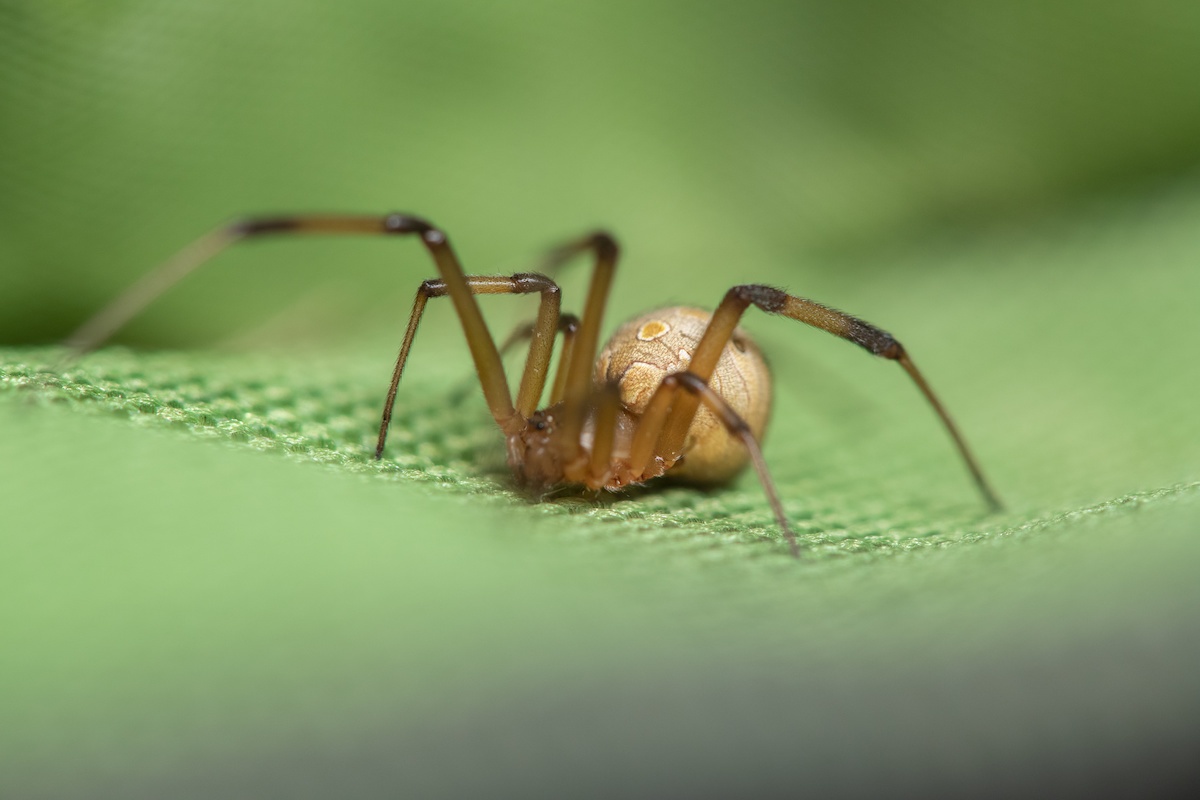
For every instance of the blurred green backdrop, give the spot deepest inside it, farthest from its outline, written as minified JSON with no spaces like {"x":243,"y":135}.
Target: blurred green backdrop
{"x":713,"y":138}
{"x":1010,"y":188}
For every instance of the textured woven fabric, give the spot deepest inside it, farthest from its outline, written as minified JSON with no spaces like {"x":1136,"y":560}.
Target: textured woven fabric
{"x":424,"y":606}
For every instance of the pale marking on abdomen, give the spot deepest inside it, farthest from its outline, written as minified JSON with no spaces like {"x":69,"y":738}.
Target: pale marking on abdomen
{"x":654,"y":329}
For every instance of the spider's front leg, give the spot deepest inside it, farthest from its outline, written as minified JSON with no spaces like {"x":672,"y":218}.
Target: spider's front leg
{"x":488,"y":365}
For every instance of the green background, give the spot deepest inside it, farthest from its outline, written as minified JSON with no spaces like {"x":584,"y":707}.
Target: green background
{"x":1013,"y":191}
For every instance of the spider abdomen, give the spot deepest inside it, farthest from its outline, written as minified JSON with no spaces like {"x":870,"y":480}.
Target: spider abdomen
{"x":653,"y":345}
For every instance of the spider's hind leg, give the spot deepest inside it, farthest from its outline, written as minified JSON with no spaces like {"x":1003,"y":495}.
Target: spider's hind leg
{"x":775,"y":301}
{"x":656,"y":419}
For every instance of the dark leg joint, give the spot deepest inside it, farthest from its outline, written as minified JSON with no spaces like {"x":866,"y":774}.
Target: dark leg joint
{"x":404,"y":223}
{"x":434,"y":287}
{"x":604,"y":245}
{"x":893,"y":350}
{"x":530,"y":282}
{"x":767,"y":298}
{"x":877,"y":341}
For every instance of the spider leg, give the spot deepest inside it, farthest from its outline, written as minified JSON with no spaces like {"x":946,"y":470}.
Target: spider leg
{"x":541,"y":333}
{"x":606,"y":402}
{"x":738,"y":427}
{"x":567,"y":325}
{"x":656,"y":417}
{"x":774,"y":301}
{"x":575,"y":371}
{"x":100,"y":327}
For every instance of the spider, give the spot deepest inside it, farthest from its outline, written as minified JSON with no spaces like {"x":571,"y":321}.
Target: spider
{"x":676,"y":390}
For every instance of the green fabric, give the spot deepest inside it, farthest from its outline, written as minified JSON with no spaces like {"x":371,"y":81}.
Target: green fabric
{"x":183,"y":616}
{"x":191,"y":616}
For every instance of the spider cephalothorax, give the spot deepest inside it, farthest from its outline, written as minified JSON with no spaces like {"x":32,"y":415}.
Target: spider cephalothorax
{"x":677,"y":390}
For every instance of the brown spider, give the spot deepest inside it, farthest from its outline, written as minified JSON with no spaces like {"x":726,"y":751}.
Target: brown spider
{"x":632,"y":415}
